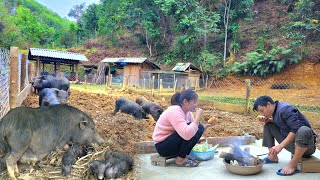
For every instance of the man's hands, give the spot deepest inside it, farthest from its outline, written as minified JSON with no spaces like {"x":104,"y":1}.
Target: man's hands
{"x":264,"y":119}
{"x":275,"y":150}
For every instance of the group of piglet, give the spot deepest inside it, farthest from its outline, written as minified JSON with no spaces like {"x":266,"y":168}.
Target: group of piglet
{"x":139,"y":109}
{"x":71,"y":155}
{"x":115,"y":165}
{"x":52,"y":90}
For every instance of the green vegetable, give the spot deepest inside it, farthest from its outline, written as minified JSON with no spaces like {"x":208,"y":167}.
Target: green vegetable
{"x":204,"y":147}
{"x":201,"y":147}
{"x":215,"y":147}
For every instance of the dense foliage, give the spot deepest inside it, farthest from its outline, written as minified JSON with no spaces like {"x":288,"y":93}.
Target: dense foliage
{"x":205,"y":33}
{"x":27,"y":23}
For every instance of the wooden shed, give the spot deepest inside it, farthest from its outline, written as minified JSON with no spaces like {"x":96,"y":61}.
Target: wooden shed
{"x":132,"y":67}
{"x":56,"y":58}
{"x":193,"y":73}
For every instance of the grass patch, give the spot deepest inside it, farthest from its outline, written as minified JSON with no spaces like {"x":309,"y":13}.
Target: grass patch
{"x":230,"y":100}
{"x":90,"y":87}
{"x":242,"y":101}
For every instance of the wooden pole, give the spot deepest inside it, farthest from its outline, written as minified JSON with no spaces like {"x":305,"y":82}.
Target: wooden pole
{"x":207,"y":81}
{"x":152,"y":85}
{"x":175,"y":86}
{"x":77,"y":73}
{"x":248,"y":87}
{"x":85,"y":81}
{"x":158,"y":80}
{"x":110,"y":80}
{"x":59,"y":71}
{"x":125,"y":82}
{"x":196,"y":85}
{"x":23,"y":71}
{"x":160,"y":86}
{"x":55,"y":68}
{"x":144,"y":84}
{"x":186,"y":86}
{"x":106,"y":83}
{"x":38,"y":67}
{"x":95,"y":78}
{"x":13,"y":89}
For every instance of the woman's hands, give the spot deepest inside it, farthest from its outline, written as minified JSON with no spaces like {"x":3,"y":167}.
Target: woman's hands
{"x":198,"y":115}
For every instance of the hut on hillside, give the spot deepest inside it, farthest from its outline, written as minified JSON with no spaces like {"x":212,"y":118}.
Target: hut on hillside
{"x":185,"y":75}
{"x":131,"y":68}
{"x":191,"y":72}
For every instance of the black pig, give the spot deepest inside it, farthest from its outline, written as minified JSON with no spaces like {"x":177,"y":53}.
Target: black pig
{"x":97,"y":168}
{"x":150,"y":108}
{"x":29,"y":134}
{"x":49,"y":81}
{"x":129,"y":107}
{"x":52,"y":96}
{"x":70,"y":157}
{"x":119,"y":163}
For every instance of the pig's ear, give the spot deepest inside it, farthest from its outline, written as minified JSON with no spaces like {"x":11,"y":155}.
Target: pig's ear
{"x":83,"y":124}
{"x":56,"y":91}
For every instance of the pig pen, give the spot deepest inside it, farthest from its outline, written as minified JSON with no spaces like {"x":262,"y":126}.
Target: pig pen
{"x":121,"y":131}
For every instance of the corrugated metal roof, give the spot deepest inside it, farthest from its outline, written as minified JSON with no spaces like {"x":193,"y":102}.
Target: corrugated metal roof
{"x":182,"y":67}
{"x":57,"y":54}
{"x":127,"y":60}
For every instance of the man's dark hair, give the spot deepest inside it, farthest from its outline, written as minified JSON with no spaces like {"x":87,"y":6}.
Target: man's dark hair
{"x":262,"y":101}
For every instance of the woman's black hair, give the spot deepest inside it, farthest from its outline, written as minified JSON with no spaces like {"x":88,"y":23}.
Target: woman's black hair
{"x":187,"y":94}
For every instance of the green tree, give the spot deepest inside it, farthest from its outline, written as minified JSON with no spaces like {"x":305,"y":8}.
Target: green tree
{"x":9,"y":33}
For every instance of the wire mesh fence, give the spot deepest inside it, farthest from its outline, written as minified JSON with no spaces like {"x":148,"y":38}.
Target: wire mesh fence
{"x":305,"y":95}
{"x":4,"y":81}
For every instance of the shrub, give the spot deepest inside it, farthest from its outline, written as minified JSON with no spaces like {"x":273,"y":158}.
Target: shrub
{"x":264,"y":63}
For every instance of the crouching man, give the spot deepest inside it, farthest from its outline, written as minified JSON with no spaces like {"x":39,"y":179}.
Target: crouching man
{"x":291,"y":129}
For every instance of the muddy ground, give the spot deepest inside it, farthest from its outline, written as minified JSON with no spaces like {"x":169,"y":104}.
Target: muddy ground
{"x":121,"y":130}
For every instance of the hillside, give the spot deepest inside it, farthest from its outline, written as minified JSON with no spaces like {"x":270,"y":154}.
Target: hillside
{"x":270,"y":22}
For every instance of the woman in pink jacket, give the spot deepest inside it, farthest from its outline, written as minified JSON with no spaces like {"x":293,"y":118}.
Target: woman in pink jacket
{"x":177,"y":131}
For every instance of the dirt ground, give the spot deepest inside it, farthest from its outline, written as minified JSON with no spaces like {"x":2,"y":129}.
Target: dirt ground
{"x":121,"y":131}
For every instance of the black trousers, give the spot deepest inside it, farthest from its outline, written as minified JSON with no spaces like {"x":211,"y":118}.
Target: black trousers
{"x":304,"y":138}
{"x":175,"y":145}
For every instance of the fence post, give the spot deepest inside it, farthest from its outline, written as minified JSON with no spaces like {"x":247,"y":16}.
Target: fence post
{"x":152,"y":86}
{"x":110,"y":80}
{"x":23,"y":72}
{"x":144,"y":84}
{"x":207,"y":81}
{"x":248,"y":86}
{"x":85,"y":81}
{"x":95,"y":80}
{"x":160,"y":85}
{"x":13,"y":89}
{"x":186,"y":87}
{"x":125,"y":82}
{"x":77,"y":74}
{"x":196,"y":85}
{"x":106,"y":83}
{"x":175,"y":86}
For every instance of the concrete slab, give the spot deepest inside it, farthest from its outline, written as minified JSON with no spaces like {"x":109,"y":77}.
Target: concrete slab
{"x":215,"y":169}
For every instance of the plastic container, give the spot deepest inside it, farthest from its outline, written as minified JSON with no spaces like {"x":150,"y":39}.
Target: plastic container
{"x":203,"y":156}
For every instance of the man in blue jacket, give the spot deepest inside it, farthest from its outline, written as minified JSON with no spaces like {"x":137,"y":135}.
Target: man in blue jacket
{"x":291,"y":129}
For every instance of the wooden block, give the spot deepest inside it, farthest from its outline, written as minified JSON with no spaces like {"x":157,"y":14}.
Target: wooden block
{"x":158,"y":160}
{"x":311,"y":164}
